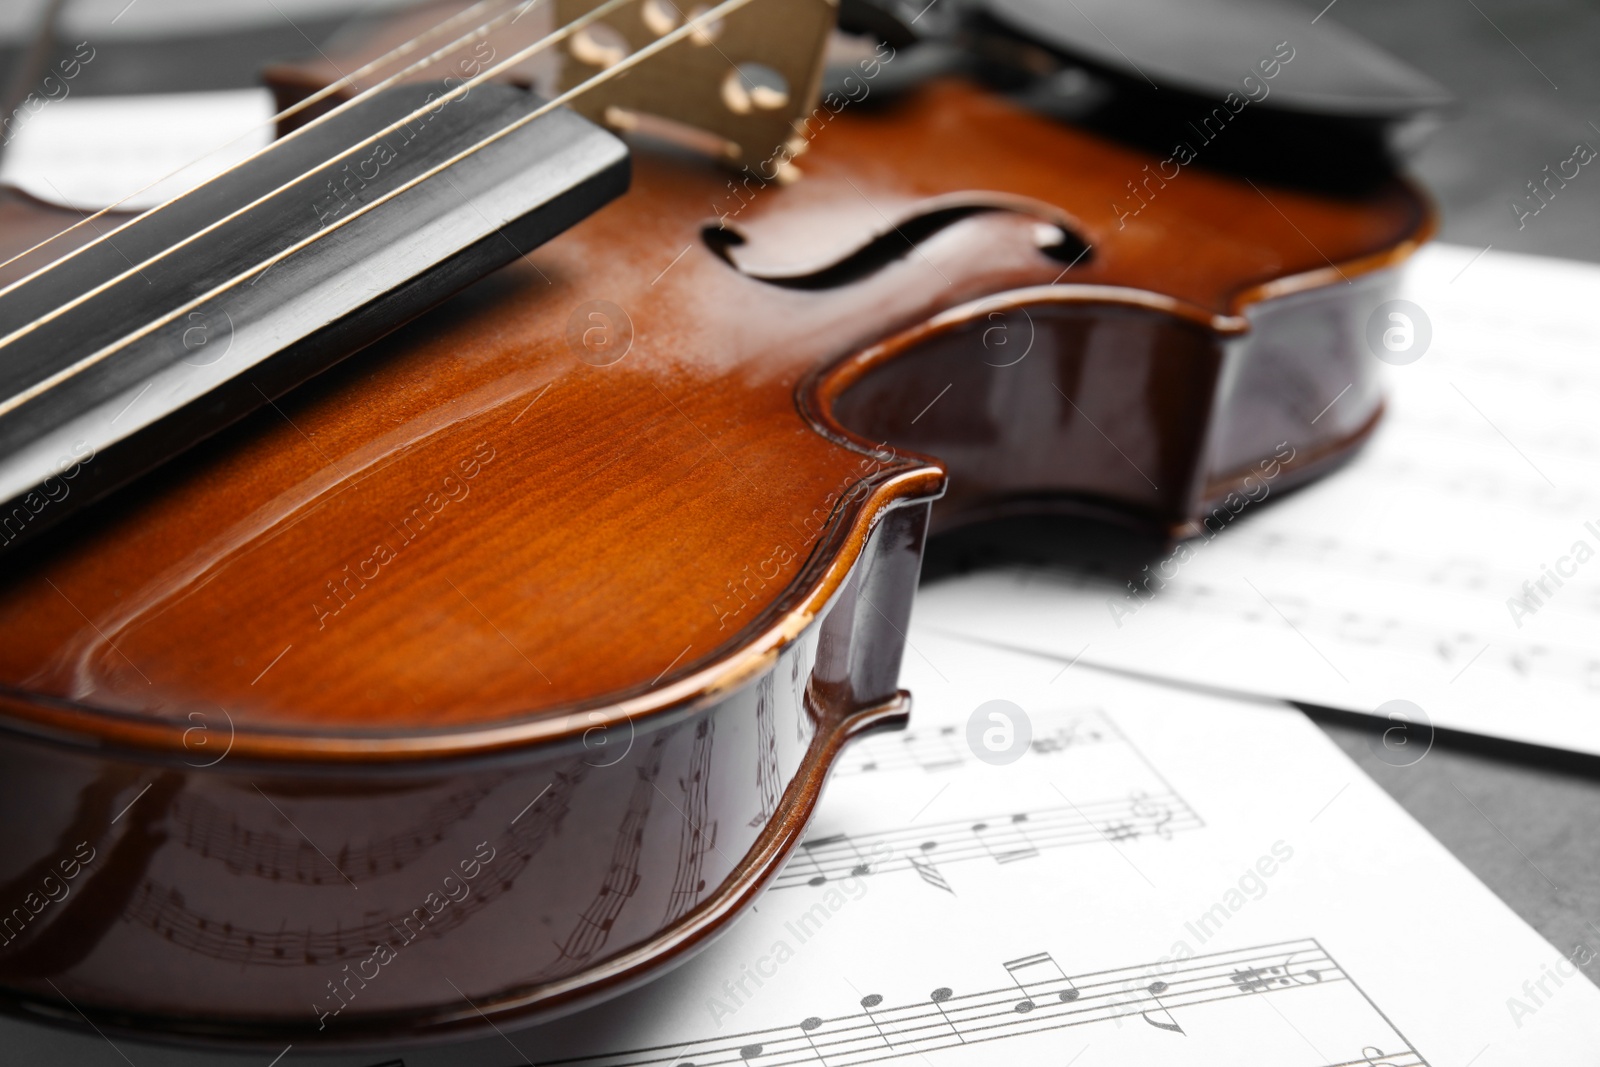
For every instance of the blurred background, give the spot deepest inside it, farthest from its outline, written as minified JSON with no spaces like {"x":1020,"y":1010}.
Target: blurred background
{"x":1523,"y":72}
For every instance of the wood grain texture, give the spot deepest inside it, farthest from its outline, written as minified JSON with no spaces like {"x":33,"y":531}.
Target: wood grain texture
{"x":553,"y":534}
{"x":625,"y":481}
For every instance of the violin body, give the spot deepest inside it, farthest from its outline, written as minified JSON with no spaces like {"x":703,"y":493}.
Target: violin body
{"x":494,"y":670}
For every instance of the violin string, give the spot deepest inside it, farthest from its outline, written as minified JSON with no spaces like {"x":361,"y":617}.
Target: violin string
{"x":434,"y":105}
{"x":397,"y":53}
{"x":692,"y":26}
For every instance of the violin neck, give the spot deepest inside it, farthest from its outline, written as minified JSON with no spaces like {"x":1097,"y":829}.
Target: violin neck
{"x":165,"y":330}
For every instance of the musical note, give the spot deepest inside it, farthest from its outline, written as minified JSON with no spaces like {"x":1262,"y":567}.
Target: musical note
{"x":930,"y":874}
{"x":1362,"y":629}
{"x":1155,"y":989}
{"x":1067,"y":737}
{"x":1003,"y":839}
{"x":862,"y":866}
{"x":1159,"y":815}
{"x":823,"y":844}
{"x":806,"y":1026}
{"x":218,"y":834}
{"x":807,"y":850}
{"x":868,"y":1002}
{"x":939,"y":996}
{"x":948,"y":755}
{"x":1256,"y":980}
{"x":164,"y":910}
{"x":942,"y":751}
{"x":1039,"y":969}
{"x":1021,"y":849}
{"x":1310,"y":973}
{"x":1038,"y":997}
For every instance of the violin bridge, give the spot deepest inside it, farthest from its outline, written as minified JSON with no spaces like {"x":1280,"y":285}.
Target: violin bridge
{"x":741,"y":83}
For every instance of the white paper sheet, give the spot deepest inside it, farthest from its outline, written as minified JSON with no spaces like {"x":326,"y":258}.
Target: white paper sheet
{"x":91,"y":152}
{"x":1394,"y":578}
{"x":1163,"y":878}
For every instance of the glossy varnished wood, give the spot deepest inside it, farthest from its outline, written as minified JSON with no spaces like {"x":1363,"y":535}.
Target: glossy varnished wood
{"x":581,"y":525}
{"x":468,"y":538}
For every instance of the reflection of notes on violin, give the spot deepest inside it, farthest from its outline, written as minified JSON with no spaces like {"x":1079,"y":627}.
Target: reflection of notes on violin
{"x":189,"y":923}
{"x":1040,"y":997}
{"x":1003,"y":839}
{"x":262,"y":852}
{"x":944,"y":748}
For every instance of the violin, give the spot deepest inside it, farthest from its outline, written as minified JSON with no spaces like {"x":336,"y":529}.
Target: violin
{"x":407,"y":670}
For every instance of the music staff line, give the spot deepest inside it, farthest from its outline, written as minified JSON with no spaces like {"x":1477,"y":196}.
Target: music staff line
{"x":1482,"y":486}
{"x":945,"y":749}
{"x":216,"y":834}
{"x":1004,"y":838}
{"x":1520,"y":660}
{"x":164,"y":911}
{"x":1053,"y":1002}
{"x":1368,"y":561}
{"x":1453,"y":650}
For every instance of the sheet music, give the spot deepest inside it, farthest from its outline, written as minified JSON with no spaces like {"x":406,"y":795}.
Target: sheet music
{"x":1248,"y":897}
{"x":1300,"y":919}
{"x":90,"y":152}
{"x":1092,"y":782}
{"x":1455,"y":564}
